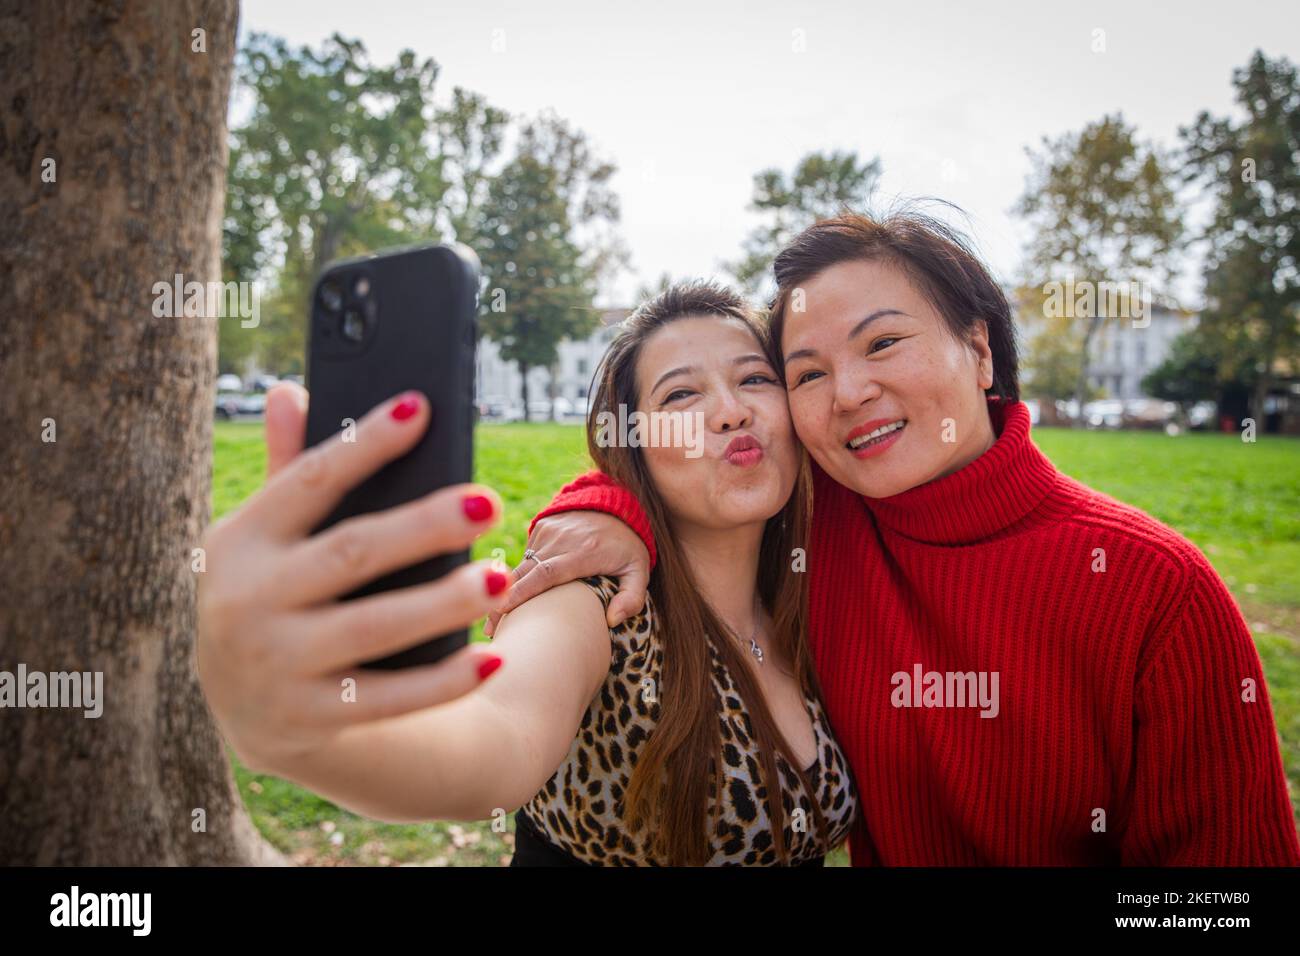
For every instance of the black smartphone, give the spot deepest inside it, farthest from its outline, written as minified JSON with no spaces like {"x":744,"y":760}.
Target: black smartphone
{"x":381,"y":324}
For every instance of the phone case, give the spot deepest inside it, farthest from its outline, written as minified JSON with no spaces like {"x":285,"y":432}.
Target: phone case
{"x":416,"y":329}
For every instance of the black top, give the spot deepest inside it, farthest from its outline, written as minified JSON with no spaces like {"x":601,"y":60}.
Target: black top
{"x":533,"y":849}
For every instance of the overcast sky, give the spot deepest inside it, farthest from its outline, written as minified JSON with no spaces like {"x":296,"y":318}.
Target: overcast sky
{"x":690,"y":99}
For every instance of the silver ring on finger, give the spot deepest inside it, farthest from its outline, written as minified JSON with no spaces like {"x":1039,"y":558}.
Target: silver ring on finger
{"x":530,"y":553}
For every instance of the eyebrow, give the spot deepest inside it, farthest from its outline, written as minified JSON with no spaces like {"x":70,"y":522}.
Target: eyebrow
{"x":685,"y":369}
{"x":857,"y":330}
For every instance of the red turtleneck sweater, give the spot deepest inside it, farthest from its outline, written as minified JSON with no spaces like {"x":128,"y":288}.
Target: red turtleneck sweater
{"x":1130,"y":723}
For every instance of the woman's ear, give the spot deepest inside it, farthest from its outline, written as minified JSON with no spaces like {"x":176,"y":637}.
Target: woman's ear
{"x":979,"y":343}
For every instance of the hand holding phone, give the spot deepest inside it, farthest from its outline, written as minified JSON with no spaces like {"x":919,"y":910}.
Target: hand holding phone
{"x":278,"y":655}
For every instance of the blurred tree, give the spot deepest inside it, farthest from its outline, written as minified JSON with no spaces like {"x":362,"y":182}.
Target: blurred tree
{"x":469,"y":137}
{"x":821,"y":185}
{"x":545,"y":239}
{"x":583,"y":184}
{"x":340,"y":156}
{"x":538,"y":289}
{"x":1251,"y":320}
{"x":1051,"y":363}
{"x":1189,"y":374}
{"x":1102,"y":209}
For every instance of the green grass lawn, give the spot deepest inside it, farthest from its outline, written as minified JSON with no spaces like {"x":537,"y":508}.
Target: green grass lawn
{"x":1238,"y":502}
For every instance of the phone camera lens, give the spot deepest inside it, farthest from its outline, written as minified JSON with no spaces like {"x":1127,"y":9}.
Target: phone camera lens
{"x":354,"y":325}
{"x":361,"y":287}
{"x":331,"y":296}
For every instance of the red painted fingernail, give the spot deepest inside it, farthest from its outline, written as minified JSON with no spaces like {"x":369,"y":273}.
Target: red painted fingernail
{"x":487,"y":666}
{"x":496,"y":582}
{"x":407,"y":407}
{"x":477,"y":507}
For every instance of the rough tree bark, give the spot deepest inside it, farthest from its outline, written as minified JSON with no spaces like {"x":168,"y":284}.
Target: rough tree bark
{"x":97,"y":526}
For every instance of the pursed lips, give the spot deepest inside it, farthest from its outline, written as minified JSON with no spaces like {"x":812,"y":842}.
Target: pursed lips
{"x":743,"y":450}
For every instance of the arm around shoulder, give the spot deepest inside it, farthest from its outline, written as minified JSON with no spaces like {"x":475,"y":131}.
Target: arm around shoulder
{"x":596,"y":491}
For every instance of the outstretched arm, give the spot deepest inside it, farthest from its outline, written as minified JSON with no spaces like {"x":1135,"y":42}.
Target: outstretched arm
{"x":279,"y":655}
{"x":489,"y":751}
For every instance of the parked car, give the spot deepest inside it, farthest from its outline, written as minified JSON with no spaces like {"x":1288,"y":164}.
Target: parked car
{"x":1106,"y":413}
{"x":1202,"y":414}
{"x":494,"y":408}
{"x":1148,"y":413}
{"x":252,"y":405}
{"x":229,"y":383}
{"x":227,"y":405}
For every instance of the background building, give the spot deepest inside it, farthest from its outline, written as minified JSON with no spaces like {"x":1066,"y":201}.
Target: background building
{"x":1120,"y":354}
{"x":557,"y":392}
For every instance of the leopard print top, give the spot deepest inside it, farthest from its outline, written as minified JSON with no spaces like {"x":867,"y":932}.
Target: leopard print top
{"x":578,"y":810}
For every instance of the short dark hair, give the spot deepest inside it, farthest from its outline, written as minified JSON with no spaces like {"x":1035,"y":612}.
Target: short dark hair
{"x":934,"y":256}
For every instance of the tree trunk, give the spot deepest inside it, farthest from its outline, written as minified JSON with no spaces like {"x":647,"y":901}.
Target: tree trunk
{"x":327,"y":247}
{"x":523,"y":372}
{"x":552,"y":388}
{"x":1081,"y":385}
{"x":107,"y":413}
{"x":1264,"y":383}
{"x":1258,"y":401}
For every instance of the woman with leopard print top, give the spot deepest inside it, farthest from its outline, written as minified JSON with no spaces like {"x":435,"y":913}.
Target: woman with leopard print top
{"x":575,"y":818}
{"x":700,"y":736}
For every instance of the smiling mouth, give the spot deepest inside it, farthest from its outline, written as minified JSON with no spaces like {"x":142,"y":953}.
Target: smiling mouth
{"x":875,"y":437}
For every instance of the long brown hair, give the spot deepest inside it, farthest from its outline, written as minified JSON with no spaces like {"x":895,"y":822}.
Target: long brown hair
{"x":678,"y":776}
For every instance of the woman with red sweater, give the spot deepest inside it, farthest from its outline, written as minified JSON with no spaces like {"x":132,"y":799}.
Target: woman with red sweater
{"x":1021,"y":670}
